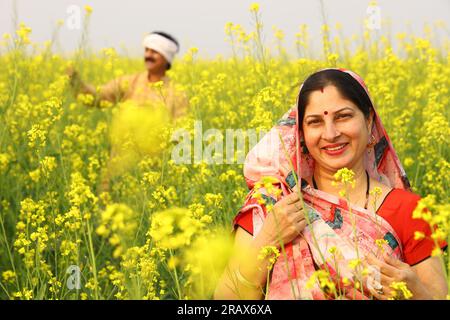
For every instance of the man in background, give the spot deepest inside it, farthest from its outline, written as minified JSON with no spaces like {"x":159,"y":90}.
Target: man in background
{"x":142,"y":89}
{"x":160,"y":51}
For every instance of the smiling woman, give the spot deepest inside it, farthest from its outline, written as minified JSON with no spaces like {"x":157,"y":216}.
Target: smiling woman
{"x":326,"y":240}
{"x":336,"y":116}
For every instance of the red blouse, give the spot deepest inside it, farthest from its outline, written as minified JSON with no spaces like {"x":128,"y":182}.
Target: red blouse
{"x":396,"y":209}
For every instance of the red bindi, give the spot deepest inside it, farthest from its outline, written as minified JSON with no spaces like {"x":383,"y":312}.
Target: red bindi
{"x":325,"y":112}
{"x":321,"y":89}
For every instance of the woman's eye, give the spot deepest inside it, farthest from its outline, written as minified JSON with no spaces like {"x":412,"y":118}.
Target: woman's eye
{"x":340,"y":116}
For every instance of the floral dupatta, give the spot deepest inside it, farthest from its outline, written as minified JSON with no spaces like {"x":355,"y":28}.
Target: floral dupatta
{"x":328,"y":242}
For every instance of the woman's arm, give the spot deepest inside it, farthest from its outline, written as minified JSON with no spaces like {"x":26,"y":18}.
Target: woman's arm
{"x":244,"y":259}
{"x":426,"y":280}
{"x":245,"y":274}
{"x":432,"y":283}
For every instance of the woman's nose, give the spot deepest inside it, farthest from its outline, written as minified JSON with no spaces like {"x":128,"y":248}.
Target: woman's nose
{"x":330,"y":132}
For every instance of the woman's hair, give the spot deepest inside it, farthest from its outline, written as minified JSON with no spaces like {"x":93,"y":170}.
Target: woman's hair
{"x":348,"y":87}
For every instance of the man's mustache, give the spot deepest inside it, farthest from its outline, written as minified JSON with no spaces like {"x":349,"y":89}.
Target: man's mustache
{"x":149,"y":59}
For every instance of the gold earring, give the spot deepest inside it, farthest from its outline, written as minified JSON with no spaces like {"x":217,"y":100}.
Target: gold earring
{"x":371,"y":143}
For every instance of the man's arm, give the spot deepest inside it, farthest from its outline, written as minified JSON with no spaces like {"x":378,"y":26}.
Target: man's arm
{"x":113,"y":91}
{"x":78,"y":84}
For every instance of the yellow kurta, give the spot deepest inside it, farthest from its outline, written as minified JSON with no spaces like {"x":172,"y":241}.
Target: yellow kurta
{"x":142,"y":93}
{"x":138,"y":89}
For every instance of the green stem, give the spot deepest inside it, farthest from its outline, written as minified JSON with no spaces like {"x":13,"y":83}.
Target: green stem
{"x":353,"y":218}
{"x":308,"y":221}
{"x":92,"y":256}
{"x":8,"y":249}
{"x":177,"y":282}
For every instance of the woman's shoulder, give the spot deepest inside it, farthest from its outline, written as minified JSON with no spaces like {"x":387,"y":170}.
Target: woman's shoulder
{"x":403,"y":195}
{"x":398,"y":211}
{"x":398,"y":199}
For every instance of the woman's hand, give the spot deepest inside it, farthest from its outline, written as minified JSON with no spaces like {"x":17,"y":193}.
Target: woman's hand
{"x":285,"y":222}
{"x":393,"y":270}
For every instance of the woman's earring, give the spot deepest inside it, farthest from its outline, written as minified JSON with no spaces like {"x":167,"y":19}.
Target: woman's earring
{"x":371,"y":143}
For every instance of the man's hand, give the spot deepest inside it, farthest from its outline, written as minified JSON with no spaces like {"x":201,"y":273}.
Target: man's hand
{"x":73,"y":75}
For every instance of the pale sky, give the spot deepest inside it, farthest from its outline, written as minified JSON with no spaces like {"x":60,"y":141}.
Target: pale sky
{"x":200,"y":23}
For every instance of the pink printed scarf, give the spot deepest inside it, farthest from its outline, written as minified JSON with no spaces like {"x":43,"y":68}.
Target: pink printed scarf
{"x":331,"y":220}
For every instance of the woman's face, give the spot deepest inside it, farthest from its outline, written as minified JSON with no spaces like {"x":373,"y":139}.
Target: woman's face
{"x":335,"y":130}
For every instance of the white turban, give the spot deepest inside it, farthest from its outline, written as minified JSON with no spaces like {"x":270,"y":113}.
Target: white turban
{"x":166,"y":47}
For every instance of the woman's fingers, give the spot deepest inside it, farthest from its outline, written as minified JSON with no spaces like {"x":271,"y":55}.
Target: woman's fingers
{"x":379,"y":294}
{"x":300,"y":225}
{"x":383,"y":267}
{"x":294,"y":207}
{"x":392,"y":261}
{"x":378,"y":285}
{"x":289,"y":218}
{"x":292,"y":198}
{"x":377,"y":282}
{"x":299,"y":219}
{"x":386,"y":281}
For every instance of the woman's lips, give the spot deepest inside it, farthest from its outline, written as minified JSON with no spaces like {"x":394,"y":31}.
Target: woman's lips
{"x":336,"y":150}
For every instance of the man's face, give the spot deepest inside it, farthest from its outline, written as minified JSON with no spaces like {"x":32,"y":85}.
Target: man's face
{"x":154,"y":61}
